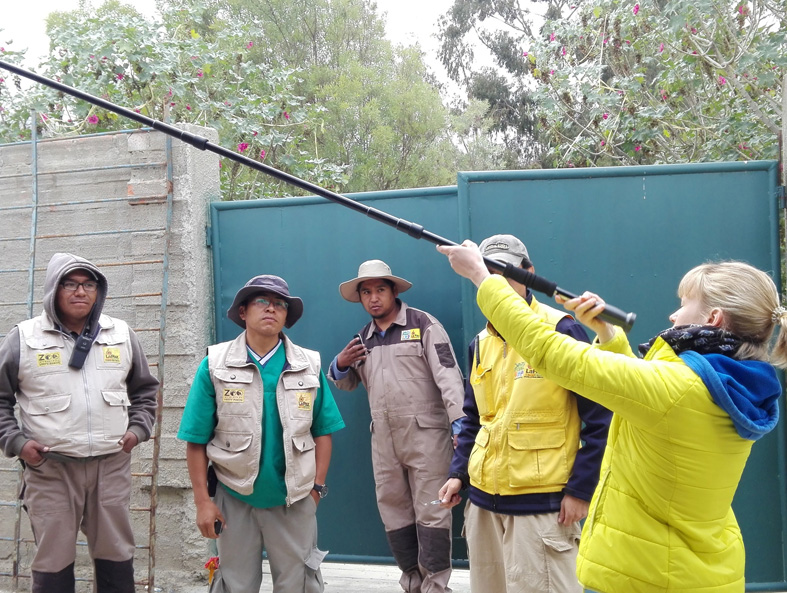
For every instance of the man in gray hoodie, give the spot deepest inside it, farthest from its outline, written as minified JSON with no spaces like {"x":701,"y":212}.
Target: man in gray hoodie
{"x":86,"y":399}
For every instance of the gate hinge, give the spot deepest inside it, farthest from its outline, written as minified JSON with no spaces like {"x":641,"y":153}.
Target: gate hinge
{"x":207,"y":232}
{"x":780,"y":197}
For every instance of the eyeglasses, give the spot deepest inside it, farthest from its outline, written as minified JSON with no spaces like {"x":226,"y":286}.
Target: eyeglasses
{"x":277,"y":303}
{"x":73,"y":285}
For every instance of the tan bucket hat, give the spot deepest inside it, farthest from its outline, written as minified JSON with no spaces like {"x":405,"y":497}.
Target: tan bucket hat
{"x":368,"y":270}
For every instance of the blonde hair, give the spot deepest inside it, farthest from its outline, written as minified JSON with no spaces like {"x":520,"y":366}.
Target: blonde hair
{"x":750,"y":305}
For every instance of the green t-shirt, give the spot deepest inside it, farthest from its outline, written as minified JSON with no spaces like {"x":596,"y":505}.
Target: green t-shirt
{"x":199,"y":420}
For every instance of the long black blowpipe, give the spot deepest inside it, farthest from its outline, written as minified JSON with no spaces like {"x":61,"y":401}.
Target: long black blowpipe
{"x":610,"y":314}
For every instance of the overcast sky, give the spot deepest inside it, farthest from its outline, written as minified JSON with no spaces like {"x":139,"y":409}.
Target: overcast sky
{"x":408,"y":21}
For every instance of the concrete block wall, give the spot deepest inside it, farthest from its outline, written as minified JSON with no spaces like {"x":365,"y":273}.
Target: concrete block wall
{"x":104,"y":197}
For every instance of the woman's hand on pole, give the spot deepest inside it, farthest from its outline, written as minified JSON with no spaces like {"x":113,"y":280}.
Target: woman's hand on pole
{"x":587,"y":307}
{"x":466,"y":260}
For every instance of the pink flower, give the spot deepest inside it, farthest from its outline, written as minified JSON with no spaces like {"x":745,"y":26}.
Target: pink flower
{"x":193,"y":57}
{"x":286,"y":115}
{"x":606,"y":41}
{"x":722,"y":80}
{"x":564,"y":50}
{"x":44,"y":117}
{"x":92,"y":56}
{"x":93,"y":119}
{"x":663,"y":94}
{"x":2,"y":49}
{"x":552,"y":37}
{"x":637,"y":148}
{"x":2,"y":79}
{"x":138,"y":111}
{"x":170,"y":91}
{"x":172,"y":104}
{"x":200,"y":74}
{"x":119,"y":76}
{"x":188,"y":107}
{"x":605,"y":115}
{"x":249,"y":45}
{"x":661,"y":47}
{"x":603,"y":143}
{"x":242,"y":147}
{"x":262,"y":154}
{"x":636,"y":9}
{"x":694,"y":30}
{"x":524,"y":54}
{"x":551,"y":71}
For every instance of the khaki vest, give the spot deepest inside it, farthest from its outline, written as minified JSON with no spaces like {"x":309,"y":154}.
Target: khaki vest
{"x":77,"y":412}
{"x":530,"y":426}
{"x":235,"y":448}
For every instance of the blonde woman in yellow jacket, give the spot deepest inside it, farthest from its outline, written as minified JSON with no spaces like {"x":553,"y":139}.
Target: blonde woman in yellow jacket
{"x":685,"y":419}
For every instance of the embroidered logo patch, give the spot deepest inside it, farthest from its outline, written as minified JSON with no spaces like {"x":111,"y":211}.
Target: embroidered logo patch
{"x":233,"y":396}
{"x":304,"y":400}
{"x":411,"y":334}
{"x":48,"y":359}
{"x":524,"y":370}
{"x":111,"y":354}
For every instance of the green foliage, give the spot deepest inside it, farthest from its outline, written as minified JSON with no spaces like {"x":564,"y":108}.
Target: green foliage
{"x":382,"y":116}
{"x":193,"y":68}
{"x":650,"y":82}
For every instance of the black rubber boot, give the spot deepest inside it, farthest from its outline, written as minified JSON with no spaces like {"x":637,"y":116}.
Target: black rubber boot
{"x":114,"y":577}
{"x":54,"y":582}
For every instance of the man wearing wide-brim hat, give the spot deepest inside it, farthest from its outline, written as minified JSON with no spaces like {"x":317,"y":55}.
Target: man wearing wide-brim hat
{"x":261,"y":411}
{"x":405,"y":360}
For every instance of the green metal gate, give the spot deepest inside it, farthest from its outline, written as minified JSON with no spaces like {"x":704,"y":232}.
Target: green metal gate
{"x":628,"y":233}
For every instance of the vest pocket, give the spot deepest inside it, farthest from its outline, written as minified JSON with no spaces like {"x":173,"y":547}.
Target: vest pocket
{"x":226,"y":450}
{"x":481,"y":382}
{"x":304,"y":459}
{"x":476,"y":463}
{"x":537,"y":457}
{"x":300,"y":393}
{"x":49,"y":404}
{"x":410,"y":363}
{"x":116,"y":414}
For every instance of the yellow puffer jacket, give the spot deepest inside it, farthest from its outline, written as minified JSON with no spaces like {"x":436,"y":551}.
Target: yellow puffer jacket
{"x":661,"y":517}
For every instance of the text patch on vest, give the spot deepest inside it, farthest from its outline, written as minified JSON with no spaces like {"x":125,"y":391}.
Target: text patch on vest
{"x":111,"y":355}
{"x":304,"y":399}
{"x":411,"y":334}
{"x":48,"y":359}
{"x":234,"y":396}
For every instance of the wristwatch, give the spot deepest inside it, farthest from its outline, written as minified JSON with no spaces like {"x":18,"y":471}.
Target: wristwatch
{"x":321,"y":489}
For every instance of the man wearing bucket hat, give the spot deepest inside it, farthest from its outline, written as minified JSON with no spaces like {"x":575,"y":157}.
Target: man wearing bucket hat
{"x":529,"y":482}
{"x":261,"y":411}
{"x":405,"y":360}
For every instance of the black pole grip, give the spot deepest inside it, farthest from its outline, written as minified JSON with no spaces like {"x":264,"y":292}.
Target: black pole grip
{"x":610,"y":314}
{"x":529,"y":279}
{"x":415,"y":230}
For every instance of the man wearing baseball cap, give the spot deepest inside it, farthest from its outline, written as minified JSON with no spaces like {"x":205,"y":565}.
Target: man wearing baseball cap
{"x":261,"y":411}
{"x":529,"y":482}
{"x":405,"y":360}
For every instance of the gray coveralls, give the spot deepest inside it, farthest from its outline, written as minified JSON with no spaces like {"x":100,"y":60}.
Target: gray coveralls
{"x":415,"y":391}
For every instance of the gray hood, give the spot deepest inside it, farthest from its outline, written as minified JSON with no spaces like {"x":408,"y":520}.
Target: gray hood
{"x":61,"y":265}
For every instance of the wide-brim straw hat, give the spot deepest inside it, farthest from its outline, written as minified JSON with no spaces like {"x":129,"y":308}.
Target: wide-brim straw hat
{"x":266,"y":283}
{"x":371,"y":270}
